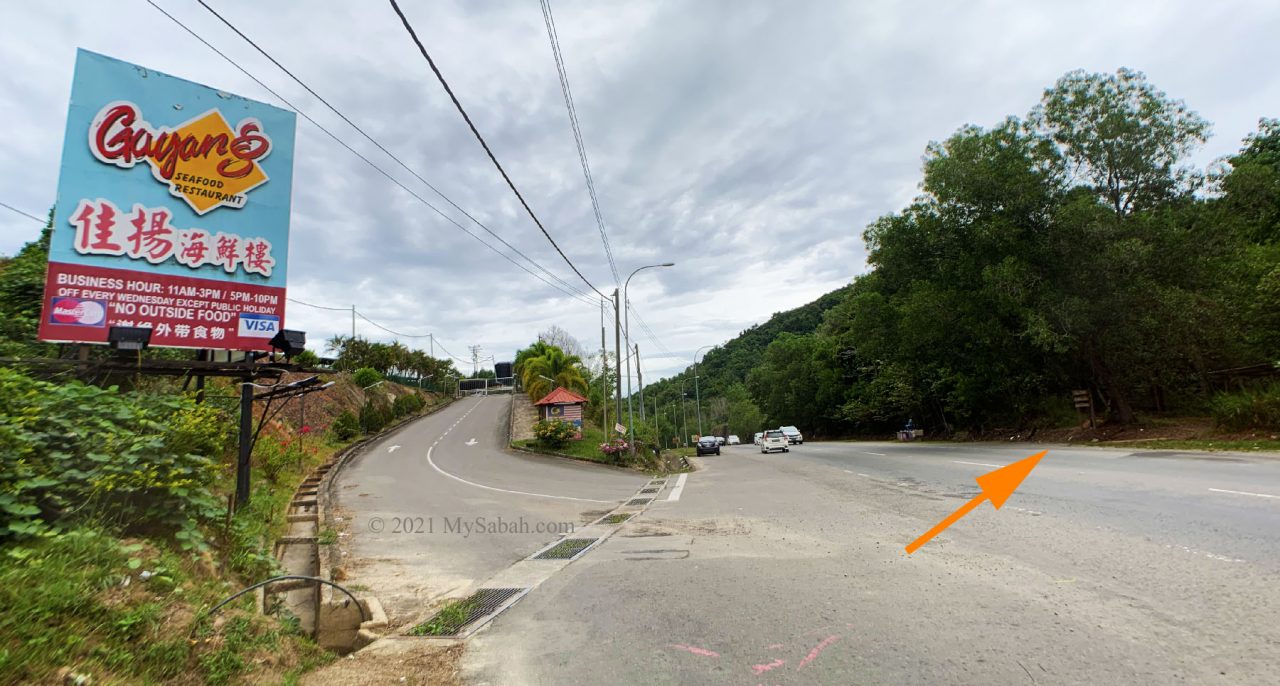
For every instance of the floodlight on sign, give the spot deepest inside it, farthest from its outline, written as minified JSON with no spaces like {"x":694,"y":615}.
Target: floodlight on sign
{"x":289,"y":342}
{"x":129,"y":337}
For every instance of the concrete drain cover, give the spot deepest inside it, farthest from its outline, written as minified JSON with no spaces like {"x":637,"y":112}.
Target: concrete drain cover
{"x":639,"y":501}
{"x":454,"y":617}
{"x":567,"y":549}
{"x":651,"y":490}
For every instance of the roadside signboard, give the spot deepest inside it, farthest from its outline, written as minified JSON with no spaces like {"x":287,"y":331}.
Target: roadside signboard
{"x":619,"y":428}
{"x":1084,"y":401}
{"x":172,"y":212}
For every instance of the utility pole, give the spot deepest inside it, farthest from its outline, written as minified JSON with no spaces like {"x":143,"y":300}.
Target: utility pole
{"x":475,"y":360}
{"x":604,"y":376}
{"x":640,"y":381}
{"x":353,"y":322}
{"x":432,"y":337}
{"x":617,"y":347}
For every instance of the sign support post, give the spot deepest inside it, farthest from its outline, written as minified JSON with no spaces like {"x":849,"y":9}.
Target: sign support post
{"x":246,"y":444}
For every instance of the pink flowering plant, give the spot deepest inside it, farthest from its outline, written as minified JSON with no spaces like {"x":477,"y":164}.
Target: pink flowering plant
{"x":614,"y":447}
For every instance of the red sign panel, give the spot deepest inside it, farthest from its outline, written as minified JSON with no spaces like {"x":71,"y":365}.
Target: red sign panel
{"x":182,"y":312}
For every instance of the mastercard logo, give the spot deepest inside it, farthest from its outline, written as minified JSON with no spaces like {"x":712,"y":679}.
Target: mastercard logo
{"x":77,"y":312}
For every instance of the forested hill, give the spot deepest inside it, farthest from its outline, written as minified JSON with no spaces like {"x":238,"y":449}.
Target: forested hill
{"x":724,"y":370}
{"x":731,"y":363}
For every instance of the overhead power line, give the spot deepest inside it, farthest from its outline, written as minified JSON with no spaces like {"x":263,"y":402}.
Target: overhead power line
{"x":577,"y":295}
{"x":440,"y":77}
{"x":650,"y":334}
{"x":434,"y":338}
{"x":320,"y":307}
{"x":554,"y":37}
{"x":380,"y":146}
{"x":11,"y":208}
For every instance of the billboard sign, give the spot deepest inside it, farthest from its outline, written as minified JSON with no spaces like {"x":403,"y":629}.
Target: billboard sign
{"x":172,"y":212}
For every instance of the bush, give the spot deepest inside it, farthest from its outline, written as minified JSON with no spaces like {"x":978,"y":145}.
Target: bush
{"x":345,"y":426}
{"x":1252,"y":408}
{"x":365,"y":377}
{"x":407,"y":404}
{"x":76,"y":452}
{"x":306,"y":358}
{"x":554,"y":433}
{"x":374,"y":416}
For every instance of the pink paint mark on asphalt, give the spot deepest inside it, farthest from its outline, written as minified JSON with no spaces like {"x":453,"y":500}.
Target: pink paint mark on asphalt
{"x":775,"y":646}
{"x":695,"y":650}
{"x":813,"y":654}
{"x":761,"y":669}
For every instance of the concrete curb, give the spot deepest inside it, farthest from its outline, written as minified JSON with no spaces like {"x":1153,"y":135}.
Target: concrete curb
{"x":575,"y":458}
{"x":338,"y":624}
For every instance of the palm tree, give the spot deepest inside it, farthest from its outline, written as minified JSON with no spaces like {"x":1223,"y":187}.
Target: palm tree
{"x":538,"y":349}
{"x":563,"y":370}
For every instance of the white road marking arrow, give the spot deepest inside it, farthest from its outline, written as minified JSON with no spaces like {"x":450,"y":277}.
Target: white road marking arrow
{"x":471,"y":442}
{"x":393,"y":448}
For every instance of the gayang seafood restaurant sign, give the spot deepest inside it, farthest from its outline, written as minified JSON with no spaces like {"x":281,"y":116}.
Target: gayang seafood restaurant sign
{"x":172,"y":212}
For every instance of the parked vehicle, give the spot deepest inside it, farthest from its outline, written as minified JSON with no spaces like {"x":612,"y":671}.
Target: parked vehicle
{"x":794,"y":437}
{"x":708,"y":445}
{"x":774,"y":440}
{"x":756,"y":440}
{"x":720,"y":440}
{"x":734,"y":440}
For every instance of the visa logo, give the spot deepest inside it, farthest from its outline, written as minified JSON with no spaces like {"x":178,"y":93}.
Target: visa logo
{"x":259,"y":325}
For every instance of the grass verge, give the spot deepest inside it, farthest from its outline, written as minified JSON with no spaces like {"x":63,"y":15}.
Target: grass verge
{"x":447,"y":621}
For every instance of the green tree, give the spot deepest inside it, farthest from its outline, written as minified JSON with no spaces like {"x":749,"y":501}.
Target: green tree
{"x":797,"y":383}
{"x":21,"y":297}
{"x":1123,"y":134}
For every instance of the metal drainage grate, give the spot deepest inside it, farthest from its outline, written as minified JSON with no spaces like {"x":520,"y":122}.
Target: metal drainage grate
{"x":651,"y":490}
{"x":455,"y":616}
{"x":639,"y":501}
{"x":567,"y":549}
{"x":657,"y":482}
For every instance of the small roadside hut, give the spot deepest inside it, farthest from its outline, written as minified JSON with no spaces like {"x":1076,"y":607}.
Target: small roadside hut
{"x":564,"y":405}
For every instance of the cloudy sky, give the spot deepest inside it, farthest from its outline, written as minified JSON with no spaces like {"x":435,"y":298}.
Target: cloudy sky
{"x":748,"y":142}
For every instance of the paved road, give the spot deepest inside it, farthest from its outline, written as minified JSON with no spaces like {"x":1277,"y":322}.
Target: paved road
{"x":1105,"y":567}
{"x":408,"y":499}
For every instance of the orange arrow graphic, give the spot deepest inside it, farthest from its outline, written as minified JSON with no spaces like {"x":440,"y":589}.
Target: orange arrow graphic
{"x":996,"y":486}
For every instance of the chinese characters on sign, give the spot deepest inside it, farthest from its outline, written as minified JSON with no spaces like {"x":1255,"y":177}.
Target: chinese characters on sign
{"x":168,"y":221}
{"x":147,"y":235}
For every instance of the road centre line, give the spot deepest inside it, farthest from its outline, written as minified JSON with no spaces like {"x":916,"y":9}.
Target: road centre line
{"x":978,"y":464}
{"x":1256,"y":495}
{"x":675,"y":492}
{"x":494,"y":488}
{"x":504,"y":490}
{"x":876,"y":454}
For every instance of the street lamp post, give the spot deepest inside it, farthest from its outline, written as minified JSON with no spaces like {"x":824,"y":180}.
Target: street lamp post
{"x":626,"y":327}
{"x":684,"y":416}
{"x":697,"y":394}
